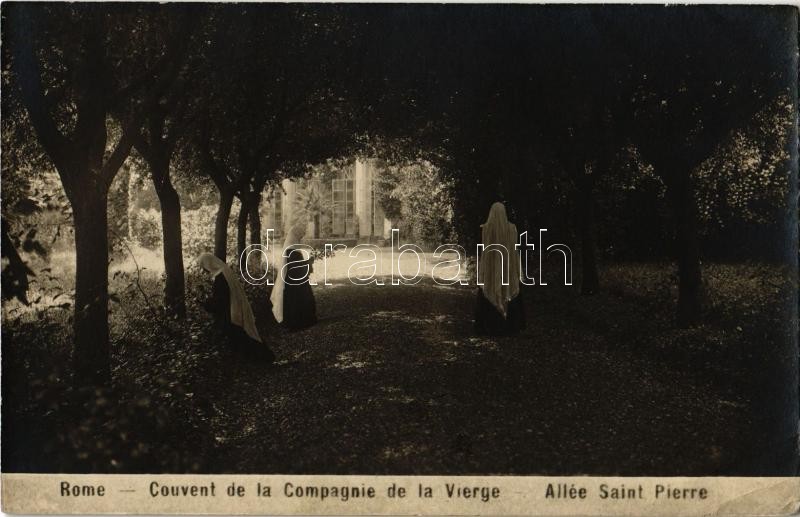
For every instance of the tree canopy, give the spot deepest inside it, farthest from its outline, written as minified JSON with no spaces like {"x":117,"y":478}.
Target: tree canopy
{"x":560,"y":111}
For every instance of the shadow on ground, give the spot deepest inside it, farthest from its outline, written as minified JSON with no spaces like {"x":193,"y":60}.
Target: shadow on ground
{"x":392,"y":380}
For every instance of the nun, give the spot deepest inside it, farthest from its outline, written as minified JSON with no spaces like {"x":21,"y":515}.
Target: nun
{"x":293,"y":303}
{"x":499,"y":309}
{"x":232,"y":311}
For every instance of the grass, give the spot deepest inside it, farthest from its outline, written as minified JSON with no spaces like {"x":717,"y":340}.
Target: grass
{"x":392,"y":380}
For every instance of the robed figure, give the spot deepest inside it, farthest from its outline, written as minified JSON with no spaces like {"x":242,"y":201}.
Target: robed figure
{"x":293,"y":303}
{"x":231,"y":309}
{"x":499,"y":309}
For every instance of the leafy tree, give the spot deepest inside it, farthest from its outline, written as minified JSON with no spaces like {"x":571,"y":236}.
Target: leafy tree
{"x":417,"y":198}
{"x":73,"y":66}
{"x":693,"y":87}
{"x":313,"y":202}
{"x":165,"y":121}
{"x":269,"y":113}
{"x":746,"y":179}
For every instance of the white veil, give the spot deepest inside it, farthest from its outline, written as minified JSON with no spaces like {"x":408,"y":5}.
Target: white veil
{"x":241,"y":312}
{"x":492,"y":267}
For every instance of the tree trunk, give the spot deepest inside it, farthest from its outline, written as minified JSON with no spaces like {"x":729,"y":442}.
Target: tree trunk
{"x":590,"y":280}
{"x":255,"y":220}
{"x":221,"y":224}
{"x":174,"y":289}
{"x":254,"y":217}
{"x":91,"y":356}
{"x":241,"y":226}
{"x":688,"y":252}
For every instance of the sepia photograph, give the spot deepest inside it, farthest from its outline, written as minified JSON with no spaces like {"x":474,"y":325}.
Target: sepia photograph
{"x":399,"y":240}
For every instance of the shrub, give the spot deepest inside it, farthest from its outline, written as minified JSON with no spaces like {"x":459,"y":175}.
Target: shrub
{"x":146,"y":227}
{"x":197,"y":230}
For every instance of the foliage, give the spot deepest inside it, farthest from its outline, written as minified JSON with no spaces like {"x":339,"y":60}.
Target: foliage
{"x":146,"y":227}
{"x":633,"y":188}
{"x":313,"y":202}
{"x":747,"y":179}
{"x":625,"y":108}
{"x":183,"y":401}
{"x":418,"y":200}
{"x":144,"y":420}
{"x":196,"y":225}
{"x":197,"y":232}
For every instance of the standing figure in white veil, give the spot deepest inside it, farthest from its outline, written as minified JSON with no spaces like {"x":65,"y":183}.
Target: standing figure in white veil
{"x":499,"y":309}
{"x":293,"y":303}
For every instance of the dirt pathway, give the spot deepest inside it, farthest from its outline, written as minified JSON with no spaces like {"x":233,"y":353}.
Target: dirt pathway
{"x":392,"y":381}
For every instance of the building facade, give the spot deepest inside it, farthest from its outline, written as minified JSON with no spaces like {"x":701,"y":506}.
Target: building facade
{"x":344,"y":206}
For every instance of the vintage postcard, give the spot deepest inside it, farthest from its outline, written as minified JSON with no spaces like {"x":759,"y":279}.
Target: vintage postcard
{"x":399,"y":259}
